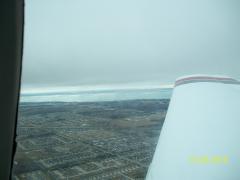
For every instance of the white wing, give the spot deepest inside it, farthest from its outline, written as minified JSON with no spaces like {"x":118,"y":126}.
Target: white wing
{"x":200,"y":138}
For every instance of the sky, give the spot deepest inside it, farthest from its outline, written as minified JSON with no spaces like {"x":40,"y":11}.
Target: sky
{"x":117,"y":42}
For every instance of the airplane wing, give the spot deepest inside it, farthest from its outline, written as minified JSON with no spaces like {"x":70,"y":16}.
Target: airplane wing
{"x":200,"y":138}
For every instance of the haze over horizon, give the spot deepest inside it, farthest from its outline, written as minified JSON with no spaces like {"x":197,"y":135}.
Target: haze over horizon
{"x":118,"y":43}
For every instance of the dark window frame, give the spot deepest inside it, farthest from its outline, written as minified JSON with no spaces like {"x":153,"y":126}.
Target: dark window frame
{"x":11,"y":50}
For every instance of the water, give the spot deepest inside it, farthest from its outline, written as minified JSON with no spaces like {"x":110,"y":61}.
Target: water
{"x":98,"y":95}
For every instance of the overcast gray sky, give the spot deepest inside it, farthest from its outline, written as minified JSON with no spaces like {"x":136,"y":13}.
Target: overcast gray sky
{"x":84,"y":42}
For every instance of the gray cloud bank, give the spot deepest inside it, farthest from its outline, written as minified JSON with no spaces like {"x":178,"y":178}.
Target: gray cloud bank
{"x":103,"y":42}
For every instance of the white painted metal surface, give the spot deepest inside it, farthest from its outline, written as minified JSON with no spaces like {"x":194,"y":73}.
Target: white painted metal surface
{"x":200,"y":138}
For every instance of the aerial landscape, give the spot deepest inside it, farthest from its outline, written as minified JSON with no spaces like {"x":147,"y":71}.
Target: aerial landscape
{"x":97,"y":78}
{"x":87,"y":140}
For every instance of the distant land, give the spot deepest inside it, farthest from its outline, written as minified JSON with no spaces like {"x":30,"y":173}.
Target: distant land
{"x":103,"y":134}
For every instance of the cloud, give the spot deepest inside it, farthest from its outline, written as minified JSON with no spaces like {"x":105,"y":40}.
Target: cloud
{"x":103,"y":42}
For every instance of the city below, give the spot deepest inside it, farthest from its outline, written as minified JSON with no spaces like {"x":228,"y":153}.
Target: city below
{"x":87,"y":140}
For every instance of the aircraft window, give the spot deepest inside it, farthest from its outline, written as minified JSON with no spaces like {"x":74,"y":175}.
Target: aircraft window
{"x":98,"y":77}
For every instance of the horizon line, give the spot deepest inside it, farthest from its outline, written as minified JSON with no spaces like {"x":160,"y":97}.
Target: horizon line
{"x":84,"y":88}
